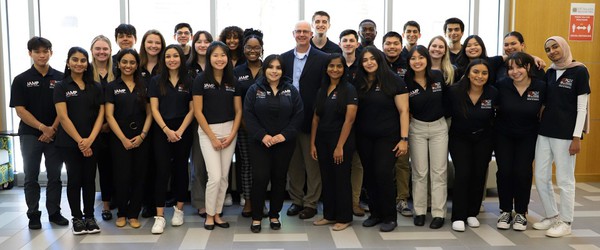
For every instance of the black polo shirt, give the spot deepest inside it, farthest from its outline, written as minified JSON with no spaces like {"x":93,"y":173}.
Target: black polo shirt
{"x":377,"y":113}
{"x":147,"y":75}
{"x":83,"y":106}
{"x":34,"y":92}
{"x":176,"y":101}
{"x":472,"y":118}
{"x":267,"y":113}
{"x":453,"y":57}
{"x":244,"y":77}
{"x":427,"y":104}
{"x":330,"y":119}
{"x":517,"y":115}
{"x":560,"y":113}
{"x":128,"y":106}
{"x":399,"y":66}
{"x":217,"y":105}
{"x":351,"y":72}
{"x":194,"y":69}
{"x":329,"y":47}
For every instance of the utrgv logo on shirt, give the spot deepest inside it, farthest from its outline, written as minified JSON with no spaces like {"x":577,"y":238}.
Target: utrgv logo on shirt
{"x":181,"y":89}
{"x":229,"y":88}
{"x":413,"y":93}
{"x":486,"y":104}
{"x":566,"y":83}
{"x":33,"y":84}
{"x":334,"y":96}
{"x":243,"y":78}
{"x":436,"y":87}
{"x":377,"y":88}
{"x":209,"y":86}
{"x":120,"y":91}
{"x":71,"y":93}
{"x":286,"y":92}
{"x":260,"y":94}
{"x":401,"y":72}
{"x":533,"y":95}
{"x":53,"y":83}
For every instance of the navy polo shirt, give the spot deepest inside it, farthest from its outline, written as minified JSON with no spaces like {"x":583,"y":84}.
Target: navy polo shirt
{"x":469,"y":117}
{"x":560,"y":113}
{"x":129,"y":106}
{"x":244,"y":77}
{"x":427,"y":104}
{"x":34,"y":92}
{"x":175,"y":103}
{"x":83,"y":106}
{"x":217,"y":105}
{"x":377,"y":113}
{"x":328,"y":48}
{"x":330,"y":120}
{"x":517,"y":115}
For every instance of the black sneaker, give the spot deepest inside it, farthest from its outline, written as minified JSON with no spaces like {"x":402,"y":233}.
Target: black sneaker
{"x":34,"y":220}
{"x":92,"y":226}
{"x":79,"y":227}
{"x":58,"y":219}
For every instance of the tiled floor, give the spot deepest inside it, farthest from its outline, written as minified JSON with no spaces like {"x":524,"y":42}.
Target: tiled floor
{"x":299,"y":234}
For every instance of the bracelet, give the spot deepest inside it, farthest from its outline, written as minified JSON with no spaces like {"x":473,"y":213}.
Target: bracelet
{"x":163,"y":127}
{"x":40,"y":126}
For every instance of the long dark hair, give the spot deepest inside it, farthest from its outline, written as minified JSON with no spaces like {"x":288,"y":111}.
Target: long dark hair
{"x":522,"y":60}
{"x":163,"y":78}
{"x":465,"y":83}
{"x":137,"y":76}
{"x":193,"y":53}
{"x":228,"y":77}
{"x":410,"y":73}
{"x":384,"y":76}
{"x":266,"y":64}
{"x":463,"y":60}
{"x":342,"y":92}
{"x":88,"y":76}
{"x":235,"y":32}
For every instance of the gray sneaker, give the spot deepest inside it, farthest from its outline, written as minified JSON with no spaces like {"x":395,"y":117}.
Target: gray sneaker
{"x":403,"y":208}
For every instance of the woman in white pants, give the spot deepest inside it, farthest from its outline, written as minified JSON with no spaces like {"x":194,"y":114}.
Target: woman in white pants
{"x":561,"y":129}
{"x":215,"y":89}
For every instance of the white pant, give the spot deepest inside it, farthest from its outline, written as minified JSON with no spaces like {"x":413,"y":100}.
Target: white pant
{"x":547,"y":150}
{"x":428,"y":146}
{"x":217,"y":166}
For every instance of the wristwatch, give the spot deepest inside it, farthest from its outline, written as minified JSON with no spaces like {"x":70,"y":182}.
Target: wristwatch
{"x":404,"y":138}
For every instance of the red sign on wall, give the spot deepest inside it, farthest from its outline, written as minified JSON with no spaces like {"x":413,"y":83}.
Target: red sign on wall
{"x":581,"y":26}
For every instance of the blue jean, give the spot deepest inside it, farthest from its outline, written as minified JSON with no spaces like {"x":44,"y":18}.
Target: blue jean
{"x":32,"y":150}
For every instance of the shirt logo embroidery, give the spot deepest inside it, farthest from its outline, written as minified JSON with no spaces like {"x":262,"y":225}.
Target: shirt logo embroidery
{"x":401,"y":72}
{"x":33,"y":84}
{"x":229,"y":88}
{"x":209,"y":86}
{"x":53,"y":83}
{"x":243,"y":78}
{"x":120,"y":91}
{"x":486,"y":104}
{"x":414,"y":93}
{"x":334,"y":95}
{"x":286,"y":92}
{"x":71,"y":93}
{"x":181,"y":89}
{"x":260,"y":94}
{"x":143,"y":74}
{"x":377,"y":88}
{"x":533,"y":95}
{"x":436,"y":87}
{"x":565,"y":83}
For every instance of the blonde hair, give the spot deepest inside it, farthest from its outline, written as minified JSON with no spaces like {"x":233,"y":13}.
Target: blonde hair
{"x":109,"y":65}
{"x":446,"y":66}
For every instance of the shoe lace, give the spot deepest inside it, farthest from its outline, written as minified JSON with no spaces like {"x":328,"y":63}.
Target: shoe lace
{"x":504,"y":217}
{"x":520,"y":219}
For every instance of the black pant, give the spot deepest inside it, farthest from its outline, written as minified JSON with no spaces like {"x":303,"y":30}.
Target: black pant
{"x":378,"y":161}
{"x":269,"y":164}
{"x":335,"y":178}
{"x":81,"y":174}
{"x":148,"y":198}
{"x":171,"y":157}
{"x":129,"y":175}
{"x":105,"y":167}
{"x":514,"y":156}
{"x":471,"y":155}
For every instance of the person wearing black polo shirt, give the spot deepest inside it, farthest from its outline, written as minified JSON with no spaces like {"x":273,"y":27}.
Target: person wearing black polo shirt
{"x":520,"y":99}
{"x":182,"y":34}
{"x":31,"y":96}
{"x":381,"y":133}
{"x":333,"y":143}
{"x":392,"y":47}
{"x":428,"y":137}
{"x":305,"y":65}
{"x":440,"y":58}
{"x":472,"y":101}
{"x":454,"y":29}
{"x":474,"y":48}
{"x":80,"y":109}
{"x":232,"y":36}
{"x":564,"y":120}
{"x":246,"y":75}
{"x":273,"y":113}
{"x":129,"y":116}
{"x":197,"y":60}
{"x":172,"y":110}
{"x":514,"y":42}
{"x":126,"y":36}
{"x":321,"y":24}
{"x":216,"y":89}
{"x":411,"y":34}
{"x":367,"y":31}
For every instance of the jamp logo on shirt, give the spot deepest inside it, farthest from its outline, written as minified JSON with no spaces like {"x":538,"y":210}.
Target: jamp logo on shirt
{"x":486,"y":104}
{"x":209,"y":86}
{"x":414,"y":93}
{"x":120,"y":91}
{"x":71,"y":93}
{"x":566,"y":83}
{"x":261,"y":94}
{"x":286,"y":92}
{"x":436,"y":87}
{"x":244,"y":78}
{"x":33,"y":84}
{"x":533,"y":95}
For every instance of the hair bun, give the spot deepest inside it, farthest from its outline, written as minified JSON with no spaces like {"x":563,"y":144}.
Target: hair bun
{"x":252,"y":32}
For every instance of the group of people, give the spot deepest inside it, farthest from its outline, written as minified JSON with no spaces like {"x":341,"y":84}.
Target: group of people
{"x":325,"y":115}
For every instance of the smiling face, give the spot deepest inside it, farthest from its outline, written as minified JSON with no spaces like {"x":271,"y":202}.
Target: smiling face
{"x":78,"y":63}
{"x":183,"y":36}
{"x":473,"y":49}
{"x":478,"y":75}
{"x":218,"y":59}
{"x":392,"y":47}
{"x":153,"y":45}
{"x":437,"y":49}
{"x":512,"y":45}
{"x":172,"y":59}
{"x":453,"y":32}
{"x":516,"y":72}
{"x":369,"y":63}
{"x":302,"y":34}
{"x":273,"y":71}
{"x":349,"y":43}
{"x":101,"y":51}
{"x":412,"y":35}
{"x":252,"y":50}
{"x":320,"y":24}
{"x":367,"y":32}
{"x":128,"y":65}
{"x":553,"y":51}
{"x":201,"y":45}
{"x":417,"y":62}
{"x":335,"y":69}
{"x":232,"y":41}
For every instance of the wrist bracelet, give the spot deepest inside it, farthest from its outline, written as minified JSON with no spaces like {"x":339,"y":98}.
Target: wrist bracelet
{"x":163,"y":127}
{"x":40,"y":126}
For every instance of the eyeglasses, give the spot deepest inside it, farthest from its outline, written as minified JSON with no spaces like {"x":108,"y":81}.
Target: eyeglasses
{"x":256,"y":49}
{"x":302,"y":31}
{"x":181,"y":33}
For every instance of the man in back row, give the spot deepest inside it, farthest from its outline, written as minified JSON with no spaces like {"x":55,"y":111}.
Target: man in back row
{"x":321,"y":24}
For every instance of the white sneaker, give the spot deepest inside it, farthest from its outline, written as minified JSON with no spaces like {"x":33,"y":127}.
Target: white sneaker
{"x":228,"y":200}
{"x":559,"y":229}
{"x":472,"y":222}
{"x":458,"y":226}
{"x":520,"y":223}
{"x":504,"y":220}
{"x":159,"y":225}
{"x":545,"y":224}
{"x":177,"y":219}
{"x":242,"y":200}
{"x":403,"y":208}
